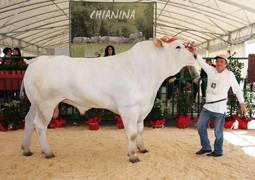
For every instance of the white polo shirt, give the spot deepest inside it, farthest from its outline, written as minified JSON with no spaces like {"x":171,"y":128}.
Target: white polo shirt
{"x":218,"y":85}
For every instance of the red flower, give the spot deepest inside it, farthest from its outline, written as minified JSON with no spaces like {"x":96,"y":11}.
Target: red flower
{"x":159,"y":123}
{"x":211,"y":123}
{"x":194,"y":119}
{"x":183,"y":121}
{"x":2,"y":128}
{"x":93,"y":122}
{"x":228,"y":124}
{"x":93,"y":125}
{"x":93,"y":119}
{"x":119,"y":120}
{"x":242,"y":122}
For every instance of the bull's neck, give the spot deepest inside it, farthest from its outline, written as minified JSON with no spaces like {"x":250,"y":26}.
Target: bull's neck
{"x":154,"y":70}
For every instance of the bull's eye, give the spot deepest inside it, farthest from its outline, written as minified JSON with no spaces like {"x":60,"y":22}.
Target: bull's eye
{"x":178,"y":47}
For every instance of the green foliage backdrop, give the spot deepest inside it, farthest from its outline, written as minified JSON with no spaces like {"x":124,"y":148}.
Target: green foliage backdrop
{"x":89,"y":49}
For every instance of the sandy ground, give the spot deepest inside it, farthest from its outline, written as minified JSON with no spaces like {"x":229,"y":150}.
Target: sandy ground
{"x":102,"y":154}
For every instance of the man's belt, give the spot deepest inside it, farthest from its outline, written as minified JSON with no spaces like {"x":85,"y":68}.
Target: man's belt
{"x":212,"y":102}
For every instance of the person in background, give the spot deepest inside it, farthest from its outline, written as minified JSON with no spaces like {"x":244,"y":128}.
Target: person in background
{"x":7,"y":54}
{"x":190,"y":80}
{"x":203,"y":77}
{"x":109,"y":51}
{"x":97,"y":54}
{"x":16,"y":54}
{"x":172,"y":85}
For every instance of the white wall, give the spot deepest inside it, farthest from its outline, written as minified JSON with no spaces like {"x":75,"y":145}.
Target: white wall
{"x":239,"y":49}
{"x":62,"y":51}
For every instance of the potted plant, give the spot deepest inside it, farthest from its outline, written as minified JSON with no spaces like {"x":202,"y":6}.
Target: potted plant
{"x":249,"y":96}
{"x":93,"y":123}
{"x":184,"y":104}
{"x":157,"y":117}
{"x":57,"y":123}
{"x":236,"y":67}
{"x":119,"y":121}
{"x":229,"y":122}
{"x":242,"y":121}
{"x":2,"y":126}
{"x":11,"y":116}
{"x":94,"y":119}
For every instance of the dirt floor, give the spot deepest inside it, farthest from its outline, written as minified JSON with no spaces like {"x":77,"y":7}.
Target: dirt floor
{"x":84,"y":154}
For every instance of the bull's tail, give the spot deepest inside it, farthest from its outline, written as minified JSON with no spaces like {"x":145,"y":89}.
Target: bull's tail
{"x":22,"y":91}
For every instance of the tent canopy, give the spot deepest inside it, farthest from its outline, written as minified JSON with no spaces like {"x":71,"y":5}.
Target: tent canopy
{"x":37,"y":25}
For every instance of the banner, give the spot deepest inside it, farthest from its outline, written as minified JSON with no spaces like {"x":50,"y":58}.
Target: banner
{"x":251,"y":67}
{"x":95,"y":25}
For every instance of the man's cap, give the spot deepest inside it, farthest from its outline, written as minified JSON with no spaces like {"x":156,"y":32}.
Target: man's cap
{"x":223,"y":56}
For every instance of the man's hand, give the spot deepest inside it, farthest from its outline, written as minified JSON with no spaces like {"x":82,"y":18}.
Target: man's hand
{"x":195,"y":80}
{"x":243,"y":108}
{"x":191,"y":47}
{"x":171,"y":80}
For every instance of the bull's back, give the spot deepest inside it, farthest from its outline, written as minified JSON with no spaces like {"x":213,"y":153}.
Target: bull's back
{"x":64,"y":76}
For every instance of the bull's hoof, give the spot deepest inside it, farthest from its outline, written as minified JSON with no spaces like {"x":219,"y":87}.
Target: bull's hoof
{"x":134,"y":159}
{"x":143,"y":151}
{"x":49,"y":156}
{"x":29,"y":153}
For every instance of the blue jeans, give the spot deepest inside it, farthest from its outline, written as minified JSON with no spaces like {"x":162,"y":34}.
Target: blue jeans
{"x":218,"y":120}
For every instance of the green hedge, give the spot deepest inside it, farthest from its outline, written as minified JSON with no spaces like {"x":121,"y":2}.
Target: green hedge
{"x":10,"y":67}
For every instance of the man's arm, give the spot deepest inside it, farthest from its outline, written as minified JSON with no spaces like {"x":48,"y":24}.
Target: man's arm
{"x":238,"y":92}
{"x":206,"y":67}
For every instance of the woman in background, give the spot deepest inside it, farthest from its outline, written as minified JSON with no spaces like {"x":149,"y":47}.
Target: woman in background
{"x":16,"y":54}
{"x":109,"y":51}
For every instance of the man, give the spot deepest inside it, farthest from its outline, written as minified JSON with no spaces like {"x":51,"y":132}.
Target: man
{"x":220,"y":79}
{"x":7,"y":54}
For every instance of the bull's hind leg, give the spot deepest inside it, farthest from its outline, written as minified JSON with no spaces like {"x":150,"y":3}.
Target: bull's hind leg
{"x":28,"y":131}
{"x":130,"y":117}
{"x":139,"y":139}
{"x":44,"y":143}
{"x":44,"y":117}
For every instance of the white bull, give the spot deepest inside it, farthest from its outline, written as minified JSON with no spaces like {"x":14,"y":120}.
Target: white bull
{"x":126,"y":84}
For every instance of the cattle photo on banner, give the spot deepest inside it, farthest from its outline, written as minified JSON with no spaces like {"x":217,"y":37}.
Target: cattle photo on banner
{"x":95,"y":25}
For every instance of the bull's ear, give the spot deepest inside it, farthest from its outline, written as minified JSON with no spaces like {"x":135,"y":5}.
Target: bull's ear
{"x":158,"y":43}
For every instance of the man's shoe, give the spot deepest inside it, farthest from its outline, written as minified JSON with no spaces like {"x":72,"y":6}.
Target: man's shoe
{"x":213,"y":154}
{"x":202,"y":151}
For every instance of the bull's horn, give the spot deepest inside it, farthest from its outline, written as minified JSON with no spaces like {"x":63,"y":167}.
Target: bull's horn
{"x":158,"y":43}
{"x":168,"y":40}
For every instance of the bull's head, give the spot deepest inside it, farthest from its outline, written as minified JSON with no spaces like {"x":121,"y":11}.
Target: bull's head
{"x":176,"y":51}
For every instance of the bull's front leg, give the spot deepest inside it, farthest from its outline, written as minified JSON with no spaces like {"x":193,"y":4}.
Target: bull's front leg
{"x":130,"y":117}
